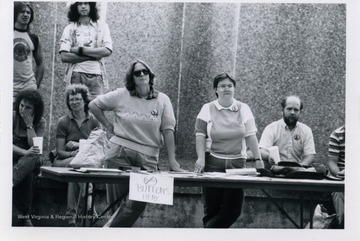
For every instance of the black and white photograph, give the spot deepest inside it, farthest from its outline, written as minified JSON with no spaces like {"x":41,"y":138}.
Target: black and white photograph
{"x":179,"y":120}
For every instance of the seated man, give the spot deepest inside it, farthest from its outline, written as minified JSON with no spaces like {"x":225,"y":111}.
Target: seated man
{"x":294,"y":139}
{"x":27,"y":123}
{"x":76,"y":125}
{"x":336,"y":163}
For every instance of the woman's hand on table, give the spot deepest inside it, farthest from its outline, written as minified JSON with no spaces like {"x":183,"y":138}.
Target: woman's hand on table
{"x":174,"y":166}
{"x":199,"y":166}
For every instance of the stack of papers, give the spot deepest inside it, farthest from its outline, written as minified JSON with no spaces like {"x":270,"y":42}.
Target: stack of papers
{"x":242,"y":171}
{"x":91,"y":169}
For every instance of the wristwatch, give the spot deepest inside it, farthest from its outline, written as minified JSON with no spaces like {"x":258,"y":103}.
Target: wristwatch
{"x":30,"y":127}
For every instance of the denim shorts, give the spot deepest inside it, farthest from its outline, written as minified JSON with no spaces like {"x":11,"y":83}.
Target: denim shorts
{"x":94,"y":82}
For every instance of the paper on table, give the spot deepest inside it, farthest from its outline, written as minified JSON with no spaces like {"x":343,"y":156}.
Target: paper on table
{"x":91,"y":169}
{"x":242,"y":171}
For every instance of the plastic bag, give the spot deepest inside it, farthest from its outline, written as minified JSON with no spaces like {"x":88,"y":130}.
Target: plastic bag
{"x":321,"y":219}
{"x":92,"y":154}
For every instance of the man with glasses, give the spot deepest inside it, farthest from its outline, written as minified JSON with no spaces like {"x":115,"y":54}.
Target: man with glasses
{"x":85,"y":41}
{"x":293,"y":138}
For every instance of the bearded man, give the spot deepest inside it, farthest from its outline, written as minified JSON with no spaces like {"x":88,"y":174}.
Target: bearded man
{"x":293,"y":138}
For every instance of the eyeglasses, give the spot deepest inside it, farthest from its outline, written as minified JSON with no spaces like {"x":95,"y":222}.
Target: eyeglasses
{"x":137,"y":73}
{"x":75,"y":100}
{"x":223,"y":86}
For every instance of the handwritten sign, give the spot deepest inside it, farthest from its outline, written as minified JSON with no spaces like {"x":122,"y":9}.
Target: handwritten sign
{"x":151,"y":188}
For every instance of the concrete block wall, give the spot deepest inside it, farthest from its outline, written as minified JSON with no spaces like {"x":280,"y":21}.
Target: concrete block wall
{"x":272,"y":49}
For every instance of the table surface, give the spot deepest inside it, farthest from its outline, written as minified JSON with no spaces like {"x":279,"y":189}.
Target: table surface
{"x":195,"y":180}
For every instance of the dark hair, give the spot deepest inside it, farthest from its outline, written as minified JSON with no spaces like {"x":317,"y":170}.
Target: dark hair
{"x":73,"y":13}
{"x":34,"y":97}
{"x":76,"y":89}
{"x":221,"y":77}
{"x":129,"y":77}
{"x":18,"y":7}
{"x":283,"y":101}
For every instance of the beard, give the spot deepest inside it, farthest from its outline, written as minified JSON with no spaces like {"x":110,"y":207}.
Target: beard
{"x":290,"y":120}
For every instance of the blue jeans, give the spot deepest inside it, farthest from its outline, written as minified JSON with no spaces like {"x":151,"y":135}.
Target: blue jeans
{"x":23,"y":186}
{"x":129,"y":211}
{"x":338,"y":201}
{"x":222,"y":206}
{"x":94,"y":82}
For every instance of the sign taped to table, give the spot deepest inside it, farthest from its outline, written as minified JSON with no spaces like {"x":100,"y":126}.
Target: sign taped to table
{"x":151,"y":188}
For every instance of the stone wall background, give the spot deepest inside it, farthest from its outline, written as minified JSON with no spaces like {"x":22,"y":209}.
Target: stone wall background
{"x":272,"y":49}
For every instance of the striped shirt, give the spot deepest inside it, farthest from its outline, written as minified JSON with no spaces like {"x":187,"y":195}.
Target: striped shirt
{"x":337,"y":146}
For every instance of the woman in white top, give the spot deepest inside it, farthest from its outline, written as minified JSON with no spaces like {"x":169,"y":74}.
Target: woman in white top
{"x":224,"y":128}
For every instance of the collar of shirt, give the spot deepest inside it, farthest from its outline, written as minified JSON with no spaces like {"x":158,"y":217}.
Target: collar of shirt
{"x":285,"y":126}
{"x":92,"y":23}
{"x":233,"y":107}
{"x":71,"y":116}
{"x":152,"y":94}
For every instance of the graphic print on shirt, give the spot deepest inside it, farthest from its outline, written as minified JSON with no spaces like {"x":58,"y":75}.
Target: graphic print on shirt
{"x":21,"y":49}
{"x":85,"y":36}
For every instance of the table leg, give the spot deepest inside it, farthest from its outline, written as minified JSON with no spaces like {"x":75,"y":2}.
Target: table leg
{"x":85,"y":203}
{"x":283,"y":211}
{"x":311,"y":213}
{"x":302,"y":213}
{"x":107,"y":209}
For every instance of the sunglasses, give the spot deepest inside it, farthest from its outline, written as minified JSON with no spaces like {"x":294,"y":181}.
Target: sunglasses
{"x":137,"y":73}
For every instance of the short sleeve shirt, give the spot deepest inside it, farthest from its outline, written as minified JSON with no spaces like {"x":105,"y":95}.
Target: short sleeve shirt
{"x":93,"y":35}
{"x":138,"y":120}
{"x":337,"y":146}
{"x":20,"y":131}
{"x":68,"y":129}
{"x":293,"y":145}
{"x":225,"y":129}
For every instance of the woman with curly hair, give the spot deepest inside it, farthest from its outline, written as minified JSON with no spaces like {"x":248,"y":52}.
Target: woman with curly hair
{"x":72,"y":127}
{"x":84,"y":42}
{"x":27,"y":123}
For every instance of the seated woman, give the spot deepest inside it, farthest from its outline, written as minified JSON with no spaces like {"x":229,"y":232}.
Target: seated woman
{"x":76,"y":125}
{"x":224,"y":128}
{"x":27,"y":123}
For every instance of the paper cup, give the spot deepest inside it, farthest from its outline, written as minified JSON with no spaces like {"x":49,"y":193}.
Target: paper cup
{"x":38,"y":141}
{"x":274,"y":154}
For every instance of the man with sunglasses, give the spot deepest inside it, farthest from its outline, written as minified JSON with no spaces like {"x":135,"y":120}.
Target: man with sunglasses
{"x":85,"y":41}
